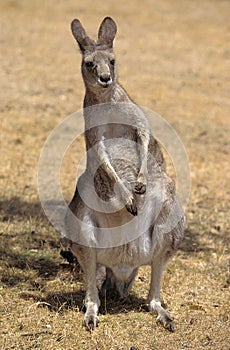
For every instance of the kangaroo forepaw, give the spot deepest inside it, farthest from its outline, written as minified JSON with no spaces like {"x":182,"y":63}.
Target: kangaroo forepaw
{"x":140,"y":188}
{"x":132,"y":207}
{"x":140,"y":185}
{"x":127,"y":198}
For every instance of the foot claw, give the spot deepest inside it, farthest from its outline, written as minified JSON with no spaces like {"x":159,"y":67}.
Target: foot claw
{"x":91,"y":326}
{"x":167,"y":322}
{"x":171,"y":327}
{"x":91,"y":322}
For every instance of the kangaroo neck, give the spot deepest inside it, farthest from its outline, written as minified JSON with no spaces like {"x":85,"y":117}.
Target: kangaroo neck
{"x":112,"y":94}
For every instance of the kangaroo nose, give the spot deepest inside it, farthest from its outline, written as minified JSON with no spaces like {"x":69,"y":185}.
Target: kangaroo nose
{"x":105,"y":78}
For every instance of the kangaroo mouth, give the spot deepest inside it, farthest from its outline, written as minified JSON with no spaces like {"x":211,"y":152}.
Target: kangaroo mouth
{"x":105,"y":84}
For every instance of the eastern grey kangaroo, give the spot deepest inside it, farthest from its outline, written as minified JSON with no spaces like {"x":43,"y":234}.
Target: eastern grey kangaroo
{"x":127,"y":168}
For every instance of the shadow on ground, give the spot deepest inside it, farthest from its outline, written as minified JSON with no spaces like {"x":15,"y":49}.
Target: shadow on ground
{"x":28,"y":251}
{"x":111,"y":304}
{"x":13,"y":208}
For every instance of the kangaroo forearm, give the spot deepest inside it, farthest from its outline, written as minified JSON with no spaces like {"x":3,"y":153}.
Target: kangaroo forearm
{"x":144,"y":138}
{"x":105,"y":162}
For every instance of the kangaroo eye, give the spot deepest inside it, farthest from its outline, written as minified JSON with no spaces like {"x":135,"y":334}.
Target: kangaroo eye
{"x":89,"y":64}
{"x":112,"y":62}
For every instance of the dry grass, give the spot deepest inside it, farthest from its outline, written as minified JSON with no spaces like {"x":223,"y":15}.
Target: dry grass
{"x":173,"y":59}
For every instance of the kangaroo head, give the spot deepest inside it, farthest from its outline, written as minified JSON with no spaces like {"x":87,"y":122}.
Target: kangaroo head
{"x":98,"y":60}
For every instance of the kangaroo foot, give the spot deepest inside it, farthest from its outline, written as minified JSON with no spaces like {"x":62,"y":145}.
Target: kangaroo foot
{"x":91,"y":319}
{"x":163,"y":316}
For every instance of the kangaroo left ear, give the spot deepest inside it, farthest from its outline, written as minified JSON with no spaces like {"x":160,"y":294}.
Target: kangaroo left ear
{"x":107,"y":32}
{"x":80,"y":35}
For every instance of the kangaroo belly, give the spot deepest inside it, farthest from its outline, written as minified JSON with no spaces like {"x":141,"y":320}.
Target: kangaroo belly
{"x":124,"y":259}
{"x":122,"y":272}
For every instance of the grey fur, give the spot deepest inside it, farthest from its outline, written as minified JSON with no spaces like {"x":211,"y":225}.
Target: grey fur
{"x":136,"y":185}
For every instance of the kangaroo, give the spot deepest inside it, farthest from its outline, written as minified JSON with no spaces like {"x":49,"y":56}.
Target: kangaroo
{"x":127,"y":168}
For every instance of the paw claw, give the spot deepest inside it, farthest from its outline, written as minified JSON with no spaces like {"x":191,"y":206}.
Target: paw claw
{"x":140,"y":188}
{"x":132,"y":208}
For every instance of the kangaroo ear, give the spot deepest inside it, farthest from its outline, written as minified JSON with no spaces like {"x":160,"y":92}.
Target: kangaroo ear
{"x":80,"y":35}
{"x":107,"y":32}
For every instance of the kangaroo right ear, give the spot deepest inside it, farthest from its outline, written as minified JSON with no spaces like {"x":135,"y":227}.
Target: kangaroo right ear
{"x":107,"y":32}
{"x":80,"y":35}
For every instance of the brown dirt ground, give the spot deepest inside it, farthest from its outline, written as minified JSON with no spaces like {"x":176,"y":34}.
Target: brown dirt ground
{"x":173,"y":58}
